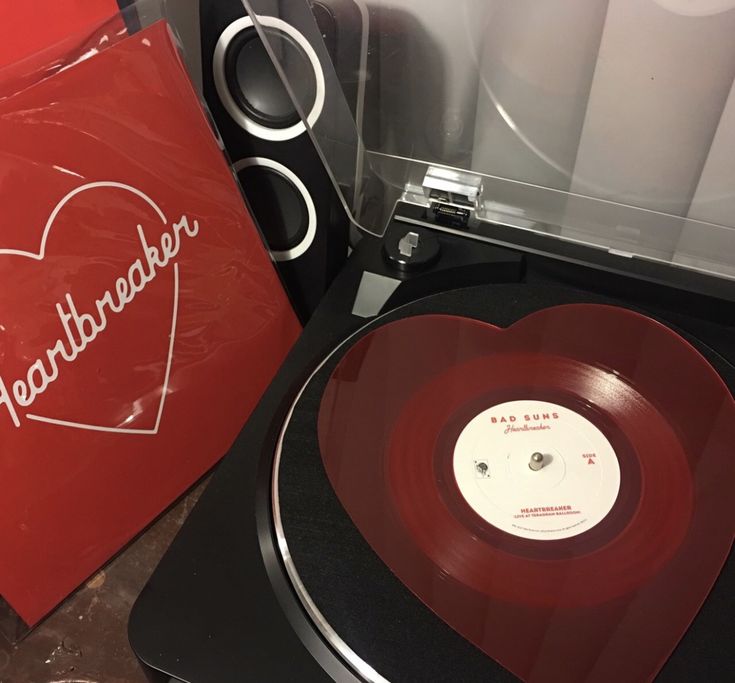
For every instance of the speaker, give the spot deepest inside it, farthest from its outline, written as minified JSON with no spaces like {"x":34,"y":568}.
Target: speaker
{"x":285,"y":184}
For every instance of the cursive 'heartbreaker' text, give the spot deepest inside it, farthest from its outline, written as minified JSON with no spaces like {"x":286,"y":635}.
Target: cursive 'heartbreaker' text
{"x":81,"y":329}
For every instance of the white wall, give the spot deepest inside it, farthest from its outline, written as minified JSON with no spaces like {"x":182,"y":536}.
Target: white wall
{"x":660,"y":85}
{"x":707,"y":246}
{"x":536,"y":68}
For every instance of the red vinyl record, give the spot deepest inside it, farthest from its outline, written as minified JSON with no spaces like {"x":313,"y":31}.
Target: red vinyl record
{"x":557,"y":491}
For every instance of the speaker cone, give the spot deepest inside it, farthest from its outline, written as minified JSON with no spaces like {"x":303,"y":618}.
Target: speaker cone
{"x":248,"y":84}
{"x":281,"y":204}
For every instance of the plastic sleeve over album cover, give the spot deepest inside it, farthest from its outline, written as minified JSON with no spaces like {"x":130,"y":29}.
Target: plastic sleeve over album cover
{"x":135,"y":287}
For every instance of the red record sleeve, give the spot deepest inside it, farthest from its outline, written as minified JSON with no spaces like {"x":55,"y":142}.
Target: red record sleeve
{"x":427,"y":430}
{"x":141,"y":316}
{"x":30,"y":26}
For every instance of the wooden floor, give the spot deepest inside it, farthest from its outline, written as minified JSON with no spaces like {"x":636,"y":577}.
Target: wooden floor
{"x":85,"y":639}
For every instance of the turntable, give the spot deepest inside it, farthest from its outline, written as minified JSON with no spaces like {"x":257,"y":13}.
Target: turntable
{"x":502,"y":448}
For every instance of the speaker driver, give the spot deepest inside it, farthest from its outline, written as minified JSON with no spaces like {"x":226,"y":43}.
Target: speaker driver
{"x":248,"y":84}
{"x":281,"y":204}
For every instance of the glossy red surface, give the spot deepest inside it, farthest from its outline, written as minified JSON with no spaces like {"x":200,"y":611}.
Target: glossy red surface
{"x":28,"y":26}
{"x":140,"y":315}
{"x":607,"y":605}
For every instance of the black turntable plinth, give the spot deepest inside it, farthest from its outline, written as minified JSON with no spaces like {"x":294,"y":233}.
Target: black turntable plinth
{"x":271,"y":580}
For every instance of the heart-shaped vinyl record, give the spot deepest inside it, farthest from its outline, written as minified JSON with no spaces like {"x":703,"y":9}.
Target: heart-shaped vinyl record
{"x":557,"y":491}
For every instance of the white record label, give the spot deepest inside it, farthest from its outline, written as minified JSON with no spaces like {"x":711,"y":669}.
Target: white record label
{"x":576,"y":483}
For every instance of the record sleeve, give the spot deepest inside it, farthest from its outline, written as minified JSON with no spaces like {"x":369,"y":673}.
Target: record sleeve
{"x":135,"y":285}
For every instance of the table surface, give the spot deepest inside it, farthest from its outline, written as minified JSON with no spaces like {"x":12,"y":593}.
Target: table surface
{"x":85,"y":638}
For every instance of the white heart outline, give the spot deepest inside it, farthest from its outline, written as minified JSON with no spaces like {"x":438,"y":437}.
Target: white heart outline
{"x":39,"y":256}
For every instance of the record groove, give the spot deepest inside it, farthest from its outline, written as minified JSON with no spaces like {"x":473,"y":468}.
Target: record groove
{"x":353,"y":588}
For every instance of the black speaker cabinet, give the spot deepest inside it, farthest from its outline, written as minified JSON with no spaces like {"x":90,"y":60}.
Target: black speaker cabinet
{"x":286,"y":186}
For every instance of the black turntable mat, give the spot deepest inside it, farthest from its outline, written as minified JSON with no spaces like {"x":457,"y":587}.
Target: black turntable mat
{"x":361,"y":600}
